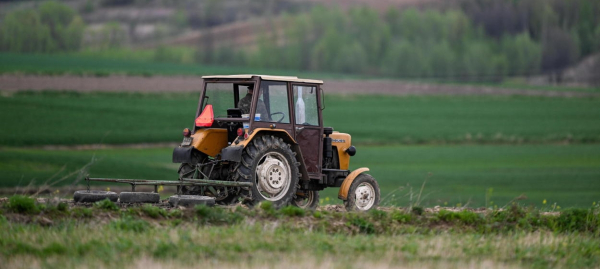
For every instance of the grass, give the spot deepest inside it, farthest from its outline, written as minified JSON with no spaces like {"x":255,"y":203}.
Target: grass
{"x":516,"y":238}
{"x":468,"y":119}
{"x":465,"y":175}
{"x":124,"y":62}
{"x":67,"y":118}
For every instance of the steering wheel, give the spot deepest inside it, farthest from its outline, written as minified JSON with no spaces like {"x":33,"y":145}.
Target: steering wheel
{"x":278,"y":113}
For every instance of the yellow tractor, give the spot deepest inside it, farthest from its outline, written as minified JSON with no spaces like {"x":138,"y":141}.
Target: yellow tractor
{"x":258,"y":138}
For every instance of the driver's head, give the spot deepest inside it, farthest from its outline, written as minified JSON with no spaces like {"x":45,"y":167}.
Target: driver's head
{"x":250,"y":89}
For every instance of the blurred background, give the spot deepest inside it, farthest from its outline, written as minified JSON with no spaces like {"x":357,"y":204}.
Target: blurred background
{"x":449,"y":102}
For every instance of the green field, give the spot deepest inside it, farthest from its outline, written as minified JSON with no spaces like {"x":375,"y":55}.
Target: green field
{"x":67,"y":118}
{"x":453,"y":174}
{"x":468,"y":150}
{"x":103,"y":64}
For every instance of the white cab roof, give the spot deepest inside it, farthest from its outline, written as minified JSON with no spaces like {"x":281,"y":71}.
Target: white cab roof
{"x":265,"y":77}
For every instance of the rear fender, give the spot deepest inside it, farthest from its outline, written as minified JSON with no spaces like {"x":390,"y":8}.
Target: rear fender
{"x":343,"y":193}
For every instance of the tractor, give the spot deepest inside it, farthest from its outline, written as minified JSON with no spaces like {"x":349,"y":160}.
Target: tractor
{"x":261,"y":138}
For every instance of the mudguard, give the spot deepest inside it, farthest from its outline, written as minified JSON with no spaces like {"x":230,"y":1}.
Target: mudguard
{"x":184,"y":155}
{"x":232,"y":153}
{"x":343,"y":193}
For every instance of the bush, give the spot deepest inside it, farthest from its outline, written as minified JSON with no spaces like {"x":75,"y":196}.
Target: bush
{"x":81,"y":212}
{"x":154,"y":212}
{"x":106,"y":204}
{"x":23,"y":204}
{"x":216,"y":215}
{"x":575,"y":219}
{"x":363,"y":225}
{"x":292,"y":211}
{"x":465,"y":217}
{"x":401,"y":216}
{"x":130,"y":224}
{"x":62,"y":207}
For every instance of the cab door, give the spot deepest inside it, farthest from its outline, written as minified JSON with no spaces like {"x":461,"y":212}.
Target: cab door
{"x":308,"y":126}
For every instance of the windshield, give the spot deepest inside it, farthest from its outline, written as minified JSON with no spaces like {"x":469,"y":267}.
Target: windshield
{"x":222,"y":96}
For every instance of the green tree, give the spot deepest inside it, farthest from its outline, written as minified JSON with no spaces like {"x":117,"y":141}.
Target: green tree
{"x":443,"y":60}
{"x":524,"y":53}
{"x":477,"y":62}
{"x":351,"y":59}
{"x":53,"y":27}
{"x":23,"y":31}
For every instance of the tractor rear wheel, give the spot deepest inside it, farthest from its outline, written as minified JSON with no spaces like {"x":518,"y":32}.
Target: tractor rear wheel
{"x":270,"y":163}
{"x":307,"y":200}
{"x":363,"y":194}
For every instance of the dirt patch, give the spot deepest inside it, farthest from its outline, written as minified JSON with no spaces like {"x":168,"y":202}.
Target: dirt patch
{"x":154,"y":84}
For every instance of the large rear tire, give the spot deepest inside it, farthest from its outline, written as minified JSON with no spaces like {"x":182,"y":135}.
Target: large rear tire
{"x":363,"y":194}
{"x":271,"y":165}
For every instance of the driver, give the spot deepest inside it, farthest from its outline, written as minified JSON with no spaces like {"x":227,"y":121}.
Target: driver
{"x":244,"y":105}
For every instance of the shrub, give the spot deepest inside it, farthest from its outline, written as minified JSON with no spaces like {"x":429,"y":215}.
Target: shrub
{"x":401,"y":216}
{"x":292,"y":211}
{"x":378,"y":214}
{"x":267,"y":207}
{"x":23,"y":204}
{"x":176,"y":213}
{"x":63,"y":207}
{"x":130,"y":224}
{"x":363,"y":225}
{"x":82,"y":212}
{"x":575,"y":219}
{"x":106,"y":204}
{"x":417,"y":210}
{"x":154,"y":212}
{"x":217,"y":215}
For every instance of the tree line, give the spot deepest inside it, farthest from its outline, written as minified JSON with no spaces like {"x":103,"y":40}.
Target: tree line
{"x":480,"y":40}
{"x":476,"y":40}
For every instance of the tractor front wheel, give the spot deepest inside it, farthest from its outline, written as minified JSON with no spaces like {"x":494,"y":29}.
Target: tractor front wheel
{"x":363,"y":194}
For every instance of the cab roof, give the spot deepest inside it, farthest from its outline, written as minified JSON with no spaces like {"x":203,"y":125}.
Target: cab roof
{"x":265,"y":77}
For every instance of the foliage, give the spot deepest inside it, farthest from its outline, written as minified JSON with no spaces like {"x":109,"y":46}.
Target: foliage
{"x":565,"y":29}
{"x":23,"y":204}
{"x":217,"y":215}
{"x":51,"y":28}
{"x":408,"y":43}
{"x":130,"y":224}
{"x":465,"y":217}
{"x":106,"y":204}
{"x":577,"y":219}
{"x":363,"y":224}
{"x":292,"y":211}
{"x":154,"y":212}
{"x":82,"y":212}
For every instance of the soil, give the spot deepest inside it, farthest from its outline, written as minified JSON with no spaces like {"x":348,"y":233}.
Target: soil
{"x":155,"y":84}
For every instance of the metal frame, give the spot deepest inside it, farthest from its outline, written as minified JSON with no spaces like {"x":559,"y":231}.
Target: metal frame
{"x":178,"y":183}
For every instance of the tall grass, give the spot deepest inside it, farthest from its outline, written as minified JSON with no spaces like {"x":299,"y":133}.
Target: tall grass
{"x":516,"y":238}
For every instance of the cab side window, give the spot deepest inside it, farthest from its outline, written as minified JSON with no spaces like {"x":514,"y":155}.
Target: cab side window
{"x":274,"y":95}
{"x":305,"y":105}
